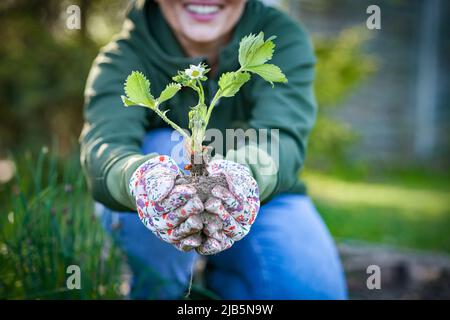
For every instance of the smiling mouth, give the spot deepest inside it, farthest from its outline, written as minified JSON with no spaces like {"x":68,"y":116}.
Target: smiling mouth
{"x":203,"y":9}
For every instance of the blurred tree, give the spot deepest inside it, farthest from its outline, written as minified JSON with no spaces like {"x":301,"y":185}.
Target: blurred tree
{"x":341,"y":66}
{"x":43,"y":67}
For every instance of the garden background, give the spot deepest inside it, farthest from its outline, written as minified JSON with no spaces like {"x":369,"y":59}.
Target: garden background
{"x":377,"y":165}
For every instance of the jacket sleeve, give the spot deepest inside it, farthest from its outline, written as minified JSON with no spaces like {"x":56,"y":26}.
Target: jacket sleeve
{"x":112,"y":135}
{"x":290,"y":108}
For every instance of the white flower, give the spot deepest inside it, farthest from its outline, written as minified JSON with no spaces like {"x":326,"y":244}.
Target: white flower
{"x":195,"y":72}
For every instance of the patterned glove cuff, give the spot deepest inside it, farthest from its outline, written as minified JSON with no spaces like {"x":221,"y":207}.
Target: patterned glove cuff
{"x":262,"y":166}
{"x":157,"y":165}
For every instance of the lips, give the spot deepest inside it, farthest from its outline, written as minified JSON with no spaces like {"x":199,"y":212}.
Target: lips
{"x":203,"y":11}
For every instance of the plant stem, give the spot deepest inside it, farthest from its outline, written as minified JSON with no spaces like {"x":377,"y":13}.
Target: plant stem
{"x":170,"y":122}
{"x":213,"y":103}
{"x":201,"y":93}
{"x":217,"y":96}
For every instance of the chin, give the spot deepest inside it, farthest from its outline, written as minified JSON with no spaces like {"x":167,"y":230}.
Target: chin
{"x":202,"y":34}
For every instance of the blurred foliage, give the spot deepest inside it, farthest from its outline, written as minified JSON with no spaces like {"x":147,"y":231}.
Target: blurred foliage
{"x":47,"y":224}
{"x":342,"y":64}
{"x":47,"y":220}
{"x":43,"y":68}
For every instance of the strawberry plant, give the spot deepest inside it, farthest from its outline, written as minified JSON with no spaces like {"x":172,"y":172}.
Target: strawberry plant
{"x":254,"y":53}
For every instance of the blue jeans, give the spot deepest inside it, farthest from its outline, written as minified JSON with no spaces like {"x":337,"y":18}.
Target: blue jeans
{"x":288,"y":254}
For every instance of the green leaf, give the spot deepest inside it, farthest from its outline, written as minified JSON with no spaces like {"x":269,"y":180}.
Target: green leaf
{"x":254,"y":51}
{"x":247,"y":47}
{"x":168,"y":93}
{"x":137,"y":89}
{"x":231,"y":82}
{"x":269,"y":72}
{"x":127,"y":102}
{"x":181,"y":78}
{"x":263,"y":54}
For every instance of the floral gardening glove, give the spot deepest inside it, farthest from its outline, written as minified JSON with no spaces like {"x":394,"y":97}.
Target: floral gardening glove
{"x":232,"y":210}
{"x":170,"y":211}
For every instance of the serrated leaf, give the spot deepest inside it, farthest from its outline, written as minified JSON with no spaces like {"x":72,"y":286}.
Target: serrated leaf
{"x":127,"y":102}
{"x":247,"y":47}
{"x":254,"y":51}
{"x":269,"y":72}
{"x":231,"y":82}
{"x":168,"y":93}
{"x":137,"y":89}
{"x":263,"y":54}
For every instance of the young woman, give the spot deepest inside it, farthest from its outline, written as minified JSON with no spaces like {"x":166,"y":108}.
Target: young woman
{"x":288,"y":253}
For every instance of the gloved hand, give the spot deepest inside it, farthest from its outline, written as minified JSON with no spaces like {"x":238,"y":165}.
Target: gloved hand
{"x":232,"y":210}
{"x":170,"y":211}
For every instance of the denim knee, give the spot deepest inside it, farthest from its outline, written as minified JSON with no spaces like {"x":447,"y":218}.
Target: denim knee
{"x":288,"y":254}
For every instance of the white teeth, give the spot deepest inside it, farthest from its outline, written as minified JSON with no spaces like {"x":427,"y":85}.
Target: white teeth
{"x":202,"y":9}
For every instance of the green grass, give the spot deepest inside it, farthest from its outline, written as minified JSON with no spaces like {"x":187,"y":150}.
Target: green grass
{"x":414,"y":215}
{"x":46,"y":225}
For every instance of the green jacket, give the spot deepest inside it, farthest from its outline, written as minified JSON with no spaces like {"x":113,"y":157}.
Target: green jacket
{"x":112,"y":135}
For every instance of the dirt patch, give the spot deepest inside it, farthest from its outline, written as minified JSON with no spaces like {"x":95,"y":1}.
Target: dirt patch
{"x":200,"y":179}
{"x":405,"y":274}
